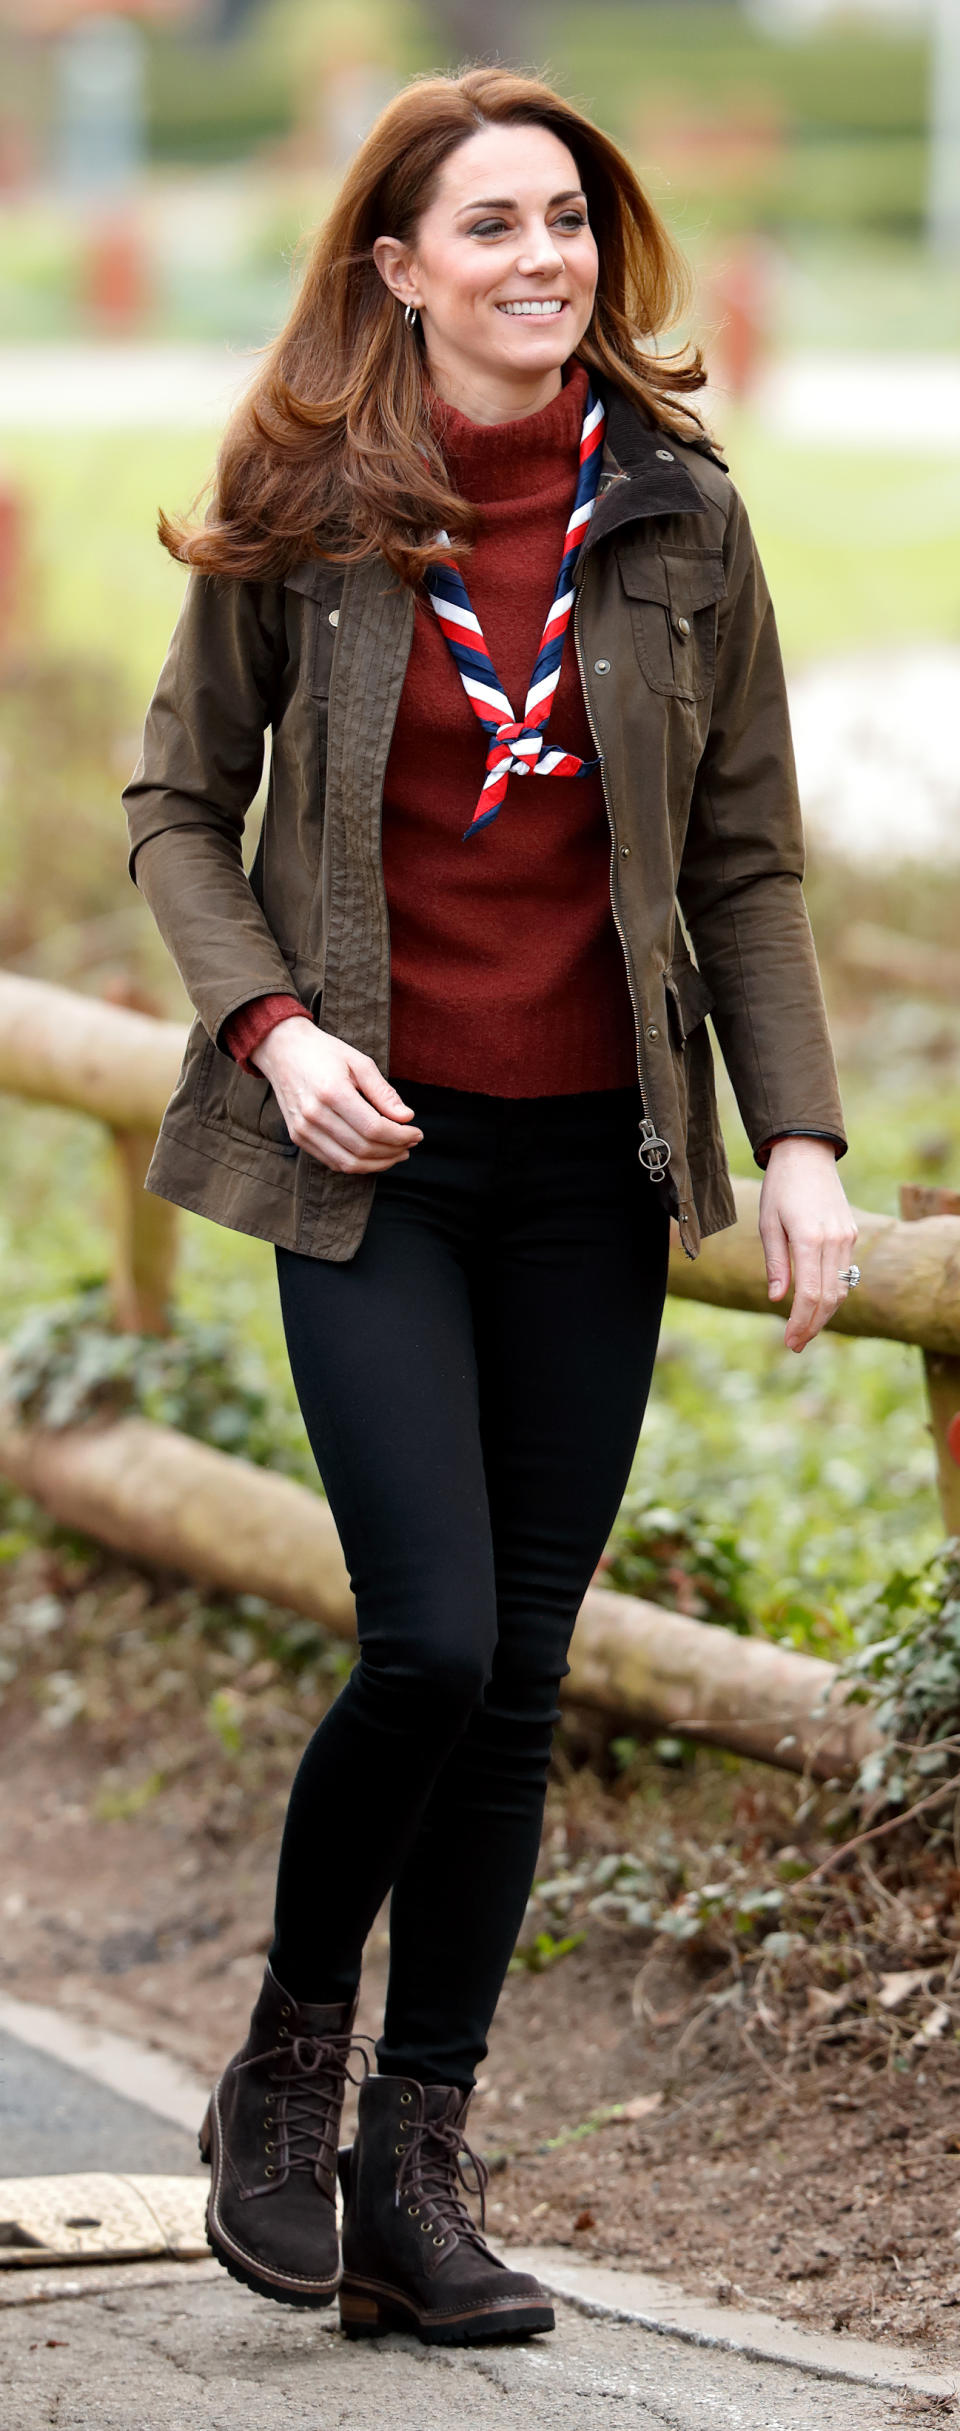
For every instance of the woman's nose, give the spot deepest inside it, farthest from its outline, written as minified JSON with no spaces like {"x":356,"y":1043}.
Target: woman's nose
{"x":540,"y":253}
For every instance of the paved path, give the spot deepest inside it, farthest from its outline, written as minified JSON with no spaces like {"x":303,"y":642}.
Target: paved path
{"x":823,"y":398}
{"x":54,"y":2120}
{"x":179,"y":2347}
{"x":200,"y":2354}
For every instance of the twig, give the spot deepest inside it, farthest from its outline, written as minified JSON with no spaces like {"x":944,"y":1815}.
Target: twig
{"x":947,"y":1789}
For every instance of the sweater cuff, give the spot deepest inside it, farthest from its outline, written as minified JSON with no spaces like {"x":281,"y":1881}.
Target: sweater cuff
{"x":802,"y":1132}
{"x":245,"y":1028}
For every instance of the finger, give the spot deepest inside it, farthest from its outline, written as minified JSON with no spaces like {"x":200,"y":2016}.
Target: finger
{"x":337,"y":1143}
{"x":825,"y":1291}
{"x":776,"y":1251}
{"x":368,"y":1125}
{"x":381,"y":1092}
{"x":801,"y":1324}
{"x":353,"y":1121}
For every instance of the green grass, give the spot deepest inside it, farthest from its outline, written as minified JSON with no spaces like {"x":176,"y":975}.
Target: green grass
{"x":857,"y":548}
{"x":100,"y":582}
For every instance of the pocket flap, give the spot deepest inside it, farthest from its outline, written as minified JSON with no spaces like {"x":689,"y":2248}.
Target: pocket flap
{"x":681,"y":580}
{"x":688,"y":995}
{"x":642,"y":571}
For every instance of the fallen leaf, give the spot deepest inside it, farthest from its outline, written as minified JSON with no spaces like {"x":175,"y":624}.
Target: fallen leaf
{"x":898,"y":1987}
{"x":827,"y":2004}
{"x":936,"y":2022}
{"x":641,"y":2106}
{"x":584,"y":2219}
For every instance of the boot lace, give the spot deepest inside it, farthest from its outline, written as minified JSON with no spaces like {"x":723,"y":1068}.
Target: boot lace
{"x":432,"y":2168}
{"x":308,"y":2098}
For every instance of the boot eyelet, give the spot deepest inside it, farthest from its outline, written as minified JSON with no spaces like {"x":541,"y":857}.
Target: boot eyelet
{"x":406,"y":2097}
{"x":398,"y":2148}
{"x":285,"y":2013}
{"x":269,"y":2172}
{"x":414,"y":2210}
{"x":439,"y":2241}
{"x":269,"y":2148}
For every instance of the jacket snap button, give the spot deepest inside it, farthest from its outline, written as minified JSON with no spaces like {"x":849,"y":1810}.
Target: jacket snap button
{"x":601,"y":666}
{"x":624,"y":852}
{"x":666,"y":455}
{"x":334,"y":616}
{"x":683,"y":625}
{"x":652,"y":1030}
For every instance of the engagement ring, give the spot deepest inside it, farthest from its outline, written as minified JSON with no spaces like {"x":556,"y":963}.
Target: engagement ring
{"x":849,"y":1274}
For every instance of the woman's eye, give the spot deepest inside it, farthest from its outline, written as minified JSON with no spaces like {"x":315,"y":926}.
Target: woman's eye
{"x":569,"y":221}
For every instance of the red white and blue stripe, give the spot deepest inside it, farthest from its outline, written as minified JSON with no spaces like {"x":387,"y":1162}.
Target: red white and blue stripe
{"x":517,"y":746}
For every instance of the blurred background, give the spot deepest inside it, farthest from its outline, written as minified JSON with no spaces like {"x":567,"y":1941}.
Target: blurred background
{"x":160,"y":163}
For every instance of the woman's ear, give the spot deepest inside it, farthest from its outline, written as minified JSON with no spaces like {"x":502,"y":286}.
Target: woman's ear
{"x":393,"y":262}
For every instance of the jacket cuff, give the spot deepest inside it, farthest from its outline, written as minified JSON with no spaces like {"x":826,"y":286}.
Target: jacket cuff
{"x":244,"y":1030}
{"x":800,"y":1131}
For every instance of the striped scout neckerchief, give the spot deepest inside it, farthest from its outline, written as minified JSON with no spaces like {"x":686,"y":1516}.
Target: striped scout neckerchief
{"x":517,"y":745}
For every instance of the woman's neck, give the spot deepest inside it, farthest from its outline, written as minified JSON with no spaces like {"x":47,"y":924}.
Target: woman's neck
{"x":485,"y":399}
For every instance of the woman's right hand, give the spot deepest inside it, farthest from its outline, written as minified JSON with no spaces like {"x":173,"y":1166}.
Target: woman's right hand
{"x":334,"y":1100}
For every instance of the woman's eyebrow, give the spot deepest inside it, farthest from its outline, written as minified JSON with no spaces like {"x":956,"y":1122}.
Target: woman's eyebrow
{"x":508,"y":202}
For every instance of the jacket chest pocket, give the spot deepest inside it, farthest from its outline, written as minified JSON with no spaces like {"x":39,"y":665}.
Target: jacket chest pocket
{"x":673,"y":596}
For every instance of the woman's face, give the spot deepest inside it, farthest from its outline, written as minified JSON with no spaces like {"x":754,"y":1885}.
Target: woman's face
{"x":503,"y":268}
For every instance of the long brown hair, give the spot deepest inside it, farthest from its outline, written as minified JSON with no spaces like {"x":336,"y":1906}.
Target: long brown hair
{"x":330,"y":452}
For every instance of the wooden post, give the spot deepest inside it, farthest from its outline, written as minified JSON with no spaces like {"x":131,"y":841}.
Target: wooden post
{"x":144,"y":1227}
{"x":144,"y":1240}
{"x":942,"y":1370}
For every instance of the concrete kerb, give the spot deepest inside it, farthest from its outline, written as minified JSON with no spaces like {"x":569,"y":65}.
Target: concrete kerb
{"x":663,"y":2306}
{"x":159,"y":2083}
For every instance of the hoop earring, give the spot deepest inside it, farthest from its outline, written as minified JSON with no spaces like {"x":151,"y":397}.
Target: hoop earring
{"x":410,"y":315}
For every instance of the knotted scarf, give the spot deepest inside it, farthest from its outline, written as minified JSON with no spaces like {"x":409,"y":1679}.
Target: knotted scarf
{"x":517,"y":746}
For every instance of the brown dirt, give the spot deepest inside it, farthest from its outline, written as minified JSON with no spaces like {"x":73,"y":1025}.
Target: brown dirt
{"x":141,"y":1839}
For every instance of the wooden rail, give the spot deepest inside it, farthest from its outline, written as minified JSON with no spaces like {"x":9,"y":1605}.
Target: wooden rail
{"x":66,"y":1049}
{"x":164,"y":1499}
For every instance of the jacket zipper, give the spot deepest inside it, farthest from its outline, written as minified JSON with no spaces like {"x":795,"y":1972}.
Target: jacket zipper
{"x":654,"y":1151}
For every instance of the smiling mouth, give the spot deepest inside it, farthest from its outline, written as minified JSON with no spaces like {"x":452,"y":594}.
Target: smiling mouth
{"x":546,"y":308}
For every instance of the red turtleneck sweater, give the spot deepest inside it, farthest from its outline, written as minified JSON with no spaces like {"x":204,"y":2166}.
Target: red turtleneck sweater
{"x":507,"y":973}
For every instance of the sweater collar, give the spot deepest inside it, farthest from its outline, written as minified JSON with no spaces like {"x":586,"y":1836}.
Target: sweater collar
{"x":496,"y":460}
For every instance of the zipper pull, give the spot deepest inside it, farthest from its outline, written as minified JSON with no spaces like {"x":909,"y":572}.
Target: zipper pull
{"x":654,"y":1151}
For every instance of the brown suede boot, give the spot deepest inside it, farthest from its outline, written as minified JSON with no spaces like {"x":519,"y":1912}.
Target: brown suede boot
{"x":270,"y":2134}
{"x":413,"y":2256}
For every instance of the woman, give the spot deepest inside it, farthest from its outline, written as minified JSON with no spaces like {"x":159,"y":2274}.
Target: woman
{"x":457,"y":450}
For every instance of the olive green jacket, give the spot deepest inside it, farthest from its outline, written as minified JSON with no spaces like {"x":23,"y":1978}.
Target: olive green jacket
{"x":683,"y":683}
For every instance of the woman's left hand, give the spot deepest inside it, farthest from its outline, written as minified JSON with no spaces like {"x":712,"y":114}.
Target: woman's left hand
{"x":805,"y":1217}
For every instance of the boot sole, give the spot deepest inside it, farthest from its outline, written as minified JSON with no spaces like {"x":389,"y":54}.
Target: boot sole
{"x":369,"y":2309}
{"x":242,"y":2266}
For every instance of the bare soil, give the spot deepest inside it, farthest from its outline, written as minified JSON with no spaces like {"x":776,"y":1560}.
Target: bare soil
{"x":146,"y":1749}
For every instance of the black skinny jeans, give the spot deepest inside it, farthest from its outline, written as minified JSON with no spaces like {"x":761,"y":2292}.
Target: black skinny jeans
{"x":473,"y":1384}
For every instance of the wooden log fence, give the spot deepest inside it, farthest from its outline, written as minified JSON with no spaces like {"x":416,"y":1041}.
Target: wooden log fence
{"x":118,"y":1065}
{"x":163,"y":1498}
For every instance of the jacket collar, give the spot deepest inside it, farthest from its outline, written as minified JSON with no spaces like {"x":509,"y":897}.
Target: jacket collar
{"x":640,"y":475}
{"x":640,"y":472}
